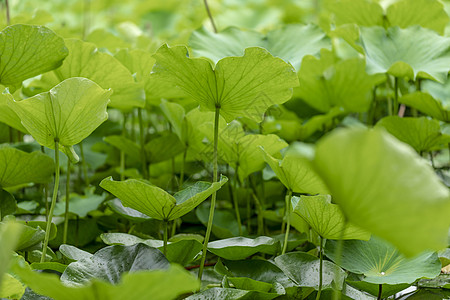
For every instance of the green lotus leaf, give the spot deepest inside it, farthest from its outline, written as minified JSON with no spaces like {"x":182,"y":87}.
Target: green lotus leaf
{"x":326,"y":218}
{"x":84,"y":60}
{"x":7,"y":115}
{"x":360,"y":12}
{"x":414,"y":52}
{"x":290,"y":42}
{"x":382,"y":185}
{"x":303,"y":269}
{"x":224,"y":225}
{"x":18,"y":167}
{"x":157,"y":203}
{"x":229,"y":293}
{"x":126,"y":212}
{"x":329,"y":82}
{"x":27,"y":51}
{"x":9,"y":237}
{"x":381,"y":263}
{"x":240,"y":86}
{"x":421,"y":133}
{"x":425,"y":103}
{"x":175,"y":114}
{"x":73,"y":253}
{"x":297,"y":174}
{"x":237,"y":248}
{"x":129,"y":147}
{"x":11,"y":288}
{"x":182,"y":251}
{"x":69,"y":113}
{"x":80,"y":205}
{"x":426,"y":13}
{"x":164,"y":147}
{"x":111,"y":262}
{"x":387,"y":290}
{"x":8,"y":204}
{"x":142,"y":285}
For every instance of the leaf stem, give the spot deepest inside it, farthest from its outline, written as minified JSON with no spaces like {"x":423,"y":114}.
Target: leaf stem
{"x":395,"y":109}
{"x":122,"y":153}
{"x":380,"y":291}
{"x":141,"y":140}
{"x":8,"y":17}
{"x":213,"y":197}
{"x":320,"y":268}
{"x":165,"y":237}
{"x":52,"y":206}
{"x":208,"y":11}
{"x":84,"y":165}
{"x":45,"y":192}
{"x":66,"y":214}
{"x":180,"y":185}
{"x":338,"y":255}
{"x":288,"y":220}
{"x":235,"y":200}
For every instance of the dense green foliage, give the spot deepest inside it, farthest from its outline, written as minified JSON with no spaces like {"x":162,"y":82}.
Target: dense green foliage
{"x":259,"y":149}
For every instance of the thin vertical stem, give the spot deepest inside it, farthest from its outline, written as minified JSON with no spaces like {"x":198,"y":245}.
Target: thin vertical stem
{"x":52,"y":206}
{"x":165,"y":237}
{"x":210,"y":16}
{"x":338,"y":255}
{"x":8,"y":17}
{"x":235,"y":200}
{"x":66,"y":214}
{"x":84,"y":165}
{"x":213,"y":197}
{"x":180,"y":185}
{"x":380,"y":291}
{"x":288,"y":220}
{"x":142,"y":142}
{"x":86,"y":17}
{"x":45,"y":192}
{"x":122,"y":153}
{"x":395,"y":108}
{"x":320,"y":268}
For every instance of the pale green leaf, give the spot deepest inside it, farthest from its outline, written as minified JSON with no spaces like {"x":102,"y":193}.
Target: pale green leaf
{"x":69,"y":112}
{"x":237,"y":248}
{"x":326,"y":218}
{"x":240,"y":86}
{"x":27,"y":51}
{"x":360,"y":12}
{"x":11,"y":287}
{"x":427,"y":104}
{"x":175,"y":114}
{"x":381,"y":263}
{"x":9,"y":237}
{"x":7,"y":115}
{"x":383,"y":186}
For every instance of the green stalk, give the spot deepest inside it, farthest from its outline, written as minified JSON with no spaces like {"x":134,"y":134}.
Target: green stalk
{"x":258,"y":206}
{"x":84,"y":165}
{"x":395,"y":110}
{"x":165,"y":238}
{"x":213,"y":197}
{"x":210,"y":16}
{"x":52,"y":206}
{"x":180,"y":185}
{"x":320,"y":268}
{"x":8,"y":17}
{"x":66,"y":214}
{"x":380,"y":291}
{"x":142,"y":141}
{"x":122,"y":153}
{"x":235,"y":199}
{"x":338,"y":255}
{"x":288,"y":220}
{"x":45,"y":192}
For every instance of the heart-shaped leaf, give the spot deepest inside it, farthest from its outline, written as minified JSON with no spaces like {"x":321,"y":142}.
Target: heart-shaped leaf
{"x":381,"y":263}
{"x":422,"y":133}
{"x":240,"y":86}
{"x":326,"y":219}
{"x":237,"y":248}
{"x":27,"y":51}
{"x":69,"y":113}
{"x":412,"y":52}
{"x":157,"y":203}
{"x":383,"y":186}
{"x":18,"y":167}
{"x":111,"y":262}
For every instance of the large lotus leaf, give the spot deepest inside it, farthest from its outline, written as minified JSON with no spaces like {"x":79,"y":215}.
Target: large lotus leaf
{"x":297,"y":173}
{"x":232,"y":294}
{"x":290,"y":42}
{"x":84,"y":60}
{"x":421,"y":133}
{"x":157,"y":203}
{"x":142,"y":285}
{"x":7,"y":115}
{"x":427,"y":104}
{"x":9,"y":236}
{"x":412,"y":52}
{"x":138,"y":62}
{"x":326,"y":218}
{"x":328,"y":82}
{"x":182,"y":251}
{"x":381,"y":263}
{"x":69,"y":113}
{"x":27,"y":51}
{"x":126,"y":212}
{"x":240,"y":86}
{"x":18,"y":167}
{"x":426,"y":13}
{"x":237,"y":248}
{"x":303,"y":269}
{"x":383,"y":186}
{"x":8,"y":204}
{"x":111,"y":262}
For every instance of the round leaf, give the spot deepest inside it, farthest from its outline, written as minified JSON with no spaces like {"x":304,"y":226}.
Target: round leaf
{"x":237,"y":248}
